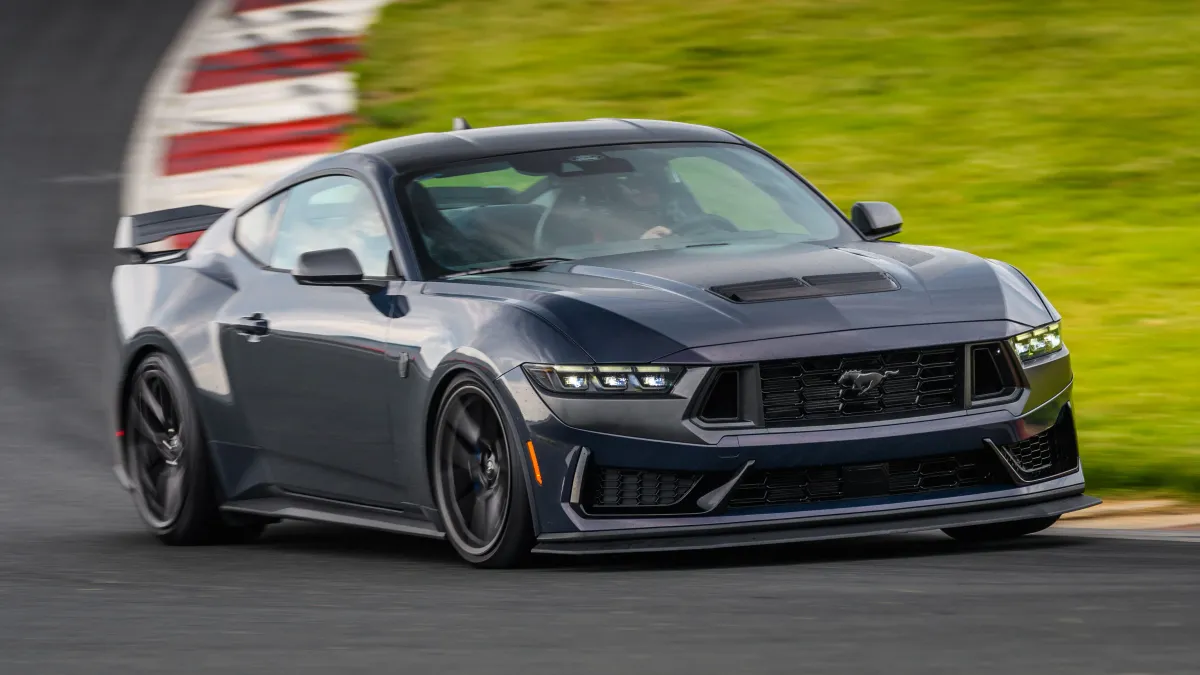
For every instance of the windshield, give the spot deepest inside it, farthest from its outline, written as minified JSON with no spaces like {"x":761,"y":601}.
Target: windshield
{"x":584,"y":202}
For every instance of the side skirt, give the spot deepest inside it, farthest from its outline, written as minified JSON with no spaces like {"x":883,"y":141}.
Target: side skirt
{"x":319,"y":510}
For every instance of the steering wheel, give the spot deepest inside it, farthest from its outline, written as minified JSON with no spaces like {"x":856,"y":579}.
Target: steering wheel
{"x":705,"y":223}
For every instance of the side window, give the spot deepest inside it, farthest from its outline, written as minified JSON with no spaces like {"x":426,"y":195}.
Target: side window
{"x":333,"y":212}
{"x":255,"y":229}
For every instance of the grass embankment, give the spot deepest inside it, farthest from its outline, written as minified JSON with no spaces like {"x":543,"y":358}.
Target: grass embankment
{"x":1061,"y":136}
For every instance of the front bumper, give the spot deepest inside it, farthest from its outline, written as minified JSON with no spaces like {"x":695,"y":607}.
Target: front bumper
{"x":566,"y":523}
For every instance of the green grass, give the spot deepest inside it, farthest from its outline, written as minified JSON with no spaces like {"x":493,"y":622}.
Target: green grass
{"x":1061,"y":136}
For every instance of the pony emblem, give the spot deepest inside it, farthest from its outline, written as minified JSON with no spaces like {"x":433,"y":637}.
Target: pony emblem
{"x":861,"y":382}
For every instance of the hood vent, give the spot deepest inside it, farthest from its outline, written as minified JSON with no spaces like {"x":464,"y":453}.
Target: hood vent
{"x":815,"y":286}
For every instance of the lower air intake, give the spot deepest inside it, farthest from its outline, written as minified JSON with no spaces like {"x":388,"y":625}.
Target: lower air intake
{"x":1047,"y":454}
{"x":616,"y":488}
{"x":897,"y":477}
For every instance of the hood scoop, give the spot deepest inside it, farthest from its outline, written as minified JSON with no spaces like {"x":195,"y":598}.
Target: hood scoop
{"x":815,"y":286}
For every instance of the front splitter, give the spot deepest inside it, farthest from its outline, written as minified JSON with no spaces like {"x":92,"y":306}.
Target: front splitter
{"x":714,"y":538}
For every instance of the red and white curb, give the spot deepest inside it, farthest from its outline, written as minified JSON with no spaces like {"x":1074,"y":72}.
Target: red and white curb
{"x":250,"y":90}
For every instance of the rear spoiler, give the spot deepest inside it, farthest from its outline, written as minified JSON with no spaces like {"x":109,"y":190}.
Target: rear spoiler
{"x":167,"y":231}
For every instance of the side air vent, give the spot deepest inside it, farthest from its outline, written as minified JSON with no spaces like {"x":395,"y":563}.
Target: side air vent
{"x":992,"y":375}
{"x":815,"y":286}
{"x":723,"y":403}
{"x":1048,"y":454}
{"x":730,"y":398}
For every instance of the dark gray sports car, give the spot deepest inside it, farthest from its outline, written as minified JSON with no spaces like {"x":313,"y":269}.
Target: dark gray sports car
{"x":574,"y":338}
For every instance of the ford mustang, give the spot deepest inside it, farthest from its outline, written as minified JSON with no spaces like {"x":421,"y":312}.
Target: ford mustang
{"x":584,"y":337}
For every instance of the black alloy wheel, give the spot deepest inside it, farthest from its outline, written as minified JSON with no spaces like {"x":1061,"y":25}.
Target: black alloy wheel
{"x":478,"y":478}
{"x":155,"y":446}
{"x":167,"y":462}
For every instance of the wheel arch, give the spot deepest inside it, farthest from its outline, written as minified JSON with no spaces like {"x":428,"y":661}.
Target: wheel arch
{"x":439,"y":383}
{"x":139,"y":349}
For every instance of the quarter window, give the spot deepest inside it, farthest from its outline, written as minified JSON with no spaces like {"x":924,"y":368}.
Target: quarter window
{"x":255,"y":229}
{"x":333,"y":212}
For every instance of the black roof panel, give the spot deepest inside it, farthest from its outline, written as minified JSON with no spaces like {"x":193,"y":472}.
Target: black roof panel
{"x":425,"y":151}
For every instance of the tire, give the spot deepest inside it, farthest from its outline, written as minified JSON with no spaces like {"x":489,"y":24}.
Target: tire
{"x":478,"y":477}
{"x":1000,"y":531}
{"x":167,"y":459}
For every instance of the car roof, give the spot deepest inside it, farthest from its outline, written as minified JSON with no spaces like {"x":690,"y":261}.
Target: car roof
{"x":429,"y":150}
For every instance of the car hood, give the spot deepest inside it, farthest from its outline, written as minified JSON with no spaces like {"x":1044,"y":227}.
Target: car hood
{"x":654,"y":303}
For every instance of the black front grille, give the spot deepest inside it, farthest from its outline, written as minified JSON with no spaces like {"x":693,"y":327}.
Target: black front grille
{"x":616,"y":488}
{"x":817,"y":390}
{"x":1049,"y":453}
{"x":897,"y":477}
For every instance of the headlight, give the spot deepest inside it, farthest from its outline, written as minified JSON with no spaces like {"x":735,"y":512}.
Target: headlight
{"x":564,"y":379}
{"x":1038,"y":342}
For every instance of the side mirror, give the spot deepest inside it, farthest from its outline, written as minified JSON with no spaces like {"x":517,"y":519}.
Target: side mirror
{"x":328,"y":267}
{"x":876,"y":220}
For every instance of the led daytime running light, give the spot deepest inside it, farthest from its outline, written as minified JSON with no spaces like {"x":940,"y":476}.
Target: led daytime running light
{"x":620,"y":379}
{"x":1038,"y":342}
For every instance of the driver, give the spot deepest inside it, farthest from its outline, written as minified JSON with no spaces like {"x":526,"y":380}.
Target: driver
{"x":601,"y":209}
{"x":639,"y":211}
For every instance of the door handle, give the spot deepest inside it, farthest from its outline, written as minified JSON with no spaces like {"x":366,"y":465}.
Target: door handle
{"x":253,"y":326}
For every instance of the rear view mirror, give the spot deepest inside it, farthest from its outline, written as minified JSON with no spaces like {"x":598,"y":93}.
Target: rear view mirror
{"x":876,"y":220}
{"x":328,"y":267}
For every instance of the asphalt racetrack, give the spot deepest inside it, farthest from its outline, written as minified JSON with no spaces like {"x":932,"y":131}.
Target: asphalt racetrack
{"x":83,"y":589}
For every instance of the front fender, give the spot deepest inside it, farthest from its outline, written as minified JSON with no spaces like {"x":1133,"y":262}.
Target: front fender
{"x":439,"y":337}
{"x":1020,"y":289}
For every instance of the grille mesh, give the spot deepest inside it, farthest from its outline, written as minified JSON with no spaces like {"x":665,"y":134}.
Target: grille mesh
{"x":1033,"y":454}
{"x":802,"y":485}
{"x":632,"y":487}
{"x":808,"y":391}
{"x":1043,"y":455}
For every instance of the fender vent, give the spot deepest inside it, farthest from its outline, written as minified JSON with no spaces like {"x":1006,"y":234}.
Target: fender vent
{"x":814,"y":286}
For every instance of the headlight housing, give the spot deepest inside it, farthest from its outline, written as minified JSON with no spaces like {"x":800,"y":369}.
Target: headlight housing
{"x":1038,"y":342}
{"x":605,"y":379}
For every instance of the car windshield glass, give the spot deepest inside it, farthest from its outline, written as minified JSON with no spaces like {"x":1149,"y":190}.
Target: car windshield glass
{"x":585,"y":202}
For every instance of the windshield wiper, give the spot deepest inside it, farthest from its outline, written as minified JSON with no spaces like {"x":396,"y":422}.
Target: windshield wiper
{"x":514,"y":266}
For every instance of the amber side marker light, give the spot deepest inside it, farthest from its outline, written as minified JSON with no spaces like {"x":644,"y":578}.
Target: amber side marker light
{"x":537,"y":472}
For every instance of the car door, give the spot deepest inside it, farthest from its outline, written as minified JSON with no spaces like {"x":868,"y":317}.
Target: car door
{"x":307,"y":363}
